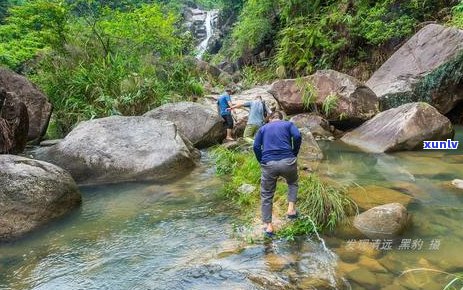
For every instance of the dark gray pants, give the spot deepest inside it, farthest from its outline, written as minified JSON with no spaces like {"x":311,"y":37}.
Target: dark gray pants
{"x":287,"y":168}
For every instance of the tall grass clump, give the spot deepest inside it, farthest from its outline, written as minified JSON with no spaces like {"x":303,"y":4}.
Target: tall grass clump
{"x":321,"y":206}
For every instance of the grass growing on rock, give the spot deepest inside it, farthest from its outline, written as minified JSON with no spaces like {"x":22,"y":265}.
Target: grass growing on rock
{"x":319,"y":204}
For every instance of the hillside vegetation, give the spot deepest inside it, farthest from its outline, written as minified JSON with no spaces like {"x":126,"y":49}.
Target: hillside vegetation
{"x":356,"y":37}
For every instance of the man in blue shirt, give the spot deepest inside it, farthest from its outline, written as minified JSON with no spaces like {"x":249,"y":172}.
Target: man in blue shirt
{"x":224,"y":105}
{"x":257,"y":113}
{"x":276,"y":148}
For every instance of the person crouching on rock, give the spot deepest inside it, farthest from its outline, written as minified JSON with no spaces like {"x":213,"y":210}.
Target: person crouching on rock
{"x":224,"y":105}
{"x":258,"y":111}
{"x":276,"y":148}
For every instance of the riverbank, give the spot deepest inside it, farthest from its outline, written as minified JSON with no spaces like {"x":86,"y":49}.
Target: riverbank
{"x":144,"y":235}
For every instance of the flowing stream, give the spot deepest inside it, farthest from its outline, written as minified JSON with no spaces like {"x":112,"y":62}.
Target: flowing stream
{"x":180,"y":235}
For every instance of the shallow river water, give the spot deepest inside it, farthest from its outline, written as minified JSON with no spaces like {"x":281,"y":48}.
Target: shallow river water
{"x":180,"y":235}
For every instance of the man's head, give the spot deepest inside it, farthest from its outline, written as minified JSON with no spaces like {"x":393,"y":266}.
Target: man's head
{"x":275,"y":116}
{"x":258,"y":98}
{"x":229,"y":91}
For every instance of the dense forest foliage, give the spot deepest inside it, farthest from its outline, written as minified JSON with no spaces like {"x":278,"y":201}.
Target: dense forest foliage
{"x":96,"y":58}
{"x":302,"y":36}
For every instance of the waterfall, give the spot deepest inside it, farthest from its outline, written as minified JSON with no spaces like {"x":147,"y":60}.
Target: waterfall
{"x":209,"y":23}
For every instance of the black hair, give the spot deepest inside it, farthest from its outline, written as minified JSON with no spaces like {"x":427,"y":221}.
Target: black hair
{"x":276,"y":115}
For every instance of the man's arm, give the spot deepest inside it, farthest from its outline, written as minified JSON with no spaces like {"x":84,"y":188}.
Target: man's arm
{"x":258,"y":145}
{"x":229,"y":102}
{"x":297,"y":138}
{"x":240,"y":104}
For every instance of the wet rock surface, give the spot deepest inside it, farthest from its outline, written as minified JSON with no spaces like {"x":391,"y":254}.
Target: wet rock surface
{"x":381,"y":222}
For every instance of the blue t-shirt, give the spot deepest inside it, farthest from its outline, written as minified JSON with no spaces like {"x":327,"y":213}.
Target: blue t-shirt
{"x":222,"y":101}
{"x":256,"y":113}
{"x":277,"y":140}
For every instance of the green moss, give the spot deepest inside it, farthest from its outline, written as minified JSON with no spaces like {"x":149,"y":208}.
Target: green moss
{"x":447,"y":75}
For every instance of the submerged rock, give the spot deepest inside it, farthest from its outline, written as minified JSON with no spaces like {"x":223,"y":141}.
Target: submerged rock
{"x":402,"y":128}
{"x":118,"y":149}
{"x":38,"y":107}
{"x":383,"y":222}
{"x":32,"y":193}
{"x":199,"y":123}
{"x":427,"y":68}
{"x":339,"y":97}
{"x":370,"y":196}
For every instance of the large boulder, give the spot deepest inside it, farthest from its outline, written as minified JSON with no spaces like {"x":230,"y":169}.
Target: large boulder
{"x":38,"y":107}
{"x":32,"y":194}
{"x":383,"y":222}
{"x":14,"y":123}
{"x":315,"y":123}
{"x":402,"y":128}
{"x":199,"y":123}
{"x":427,"y":68}
{"x":117,"y":149}
{"x":338,"y":96}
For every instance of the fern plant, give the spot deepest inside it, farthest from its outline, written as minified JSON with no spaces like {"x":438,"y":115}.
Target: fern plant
{"x":330,"y":103}
{"x":308,"y":94}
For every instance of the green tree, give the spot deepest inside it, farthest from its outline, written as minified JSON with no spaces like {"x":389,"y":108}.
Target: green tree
{"x":30,"y":28}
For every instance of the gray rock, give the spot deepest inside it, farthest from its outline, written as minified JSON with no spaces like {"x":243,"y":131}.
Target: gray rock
{"x":427,"y":68}
{"x":337,"y":96}
{"x":48,"y":143}
{"x":383,"y":222}
{"x":14,"y":124}
{"x":310,"y":151}
{"x":38,"y":107}
{"x":32,"y":193}
{"x":199,"y":123}
{"x":402,"y":128}
{"x":118,"y":149}
{"x":316,"y":124}
{"x":246,"y":188}
{"x":458,"y":183}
